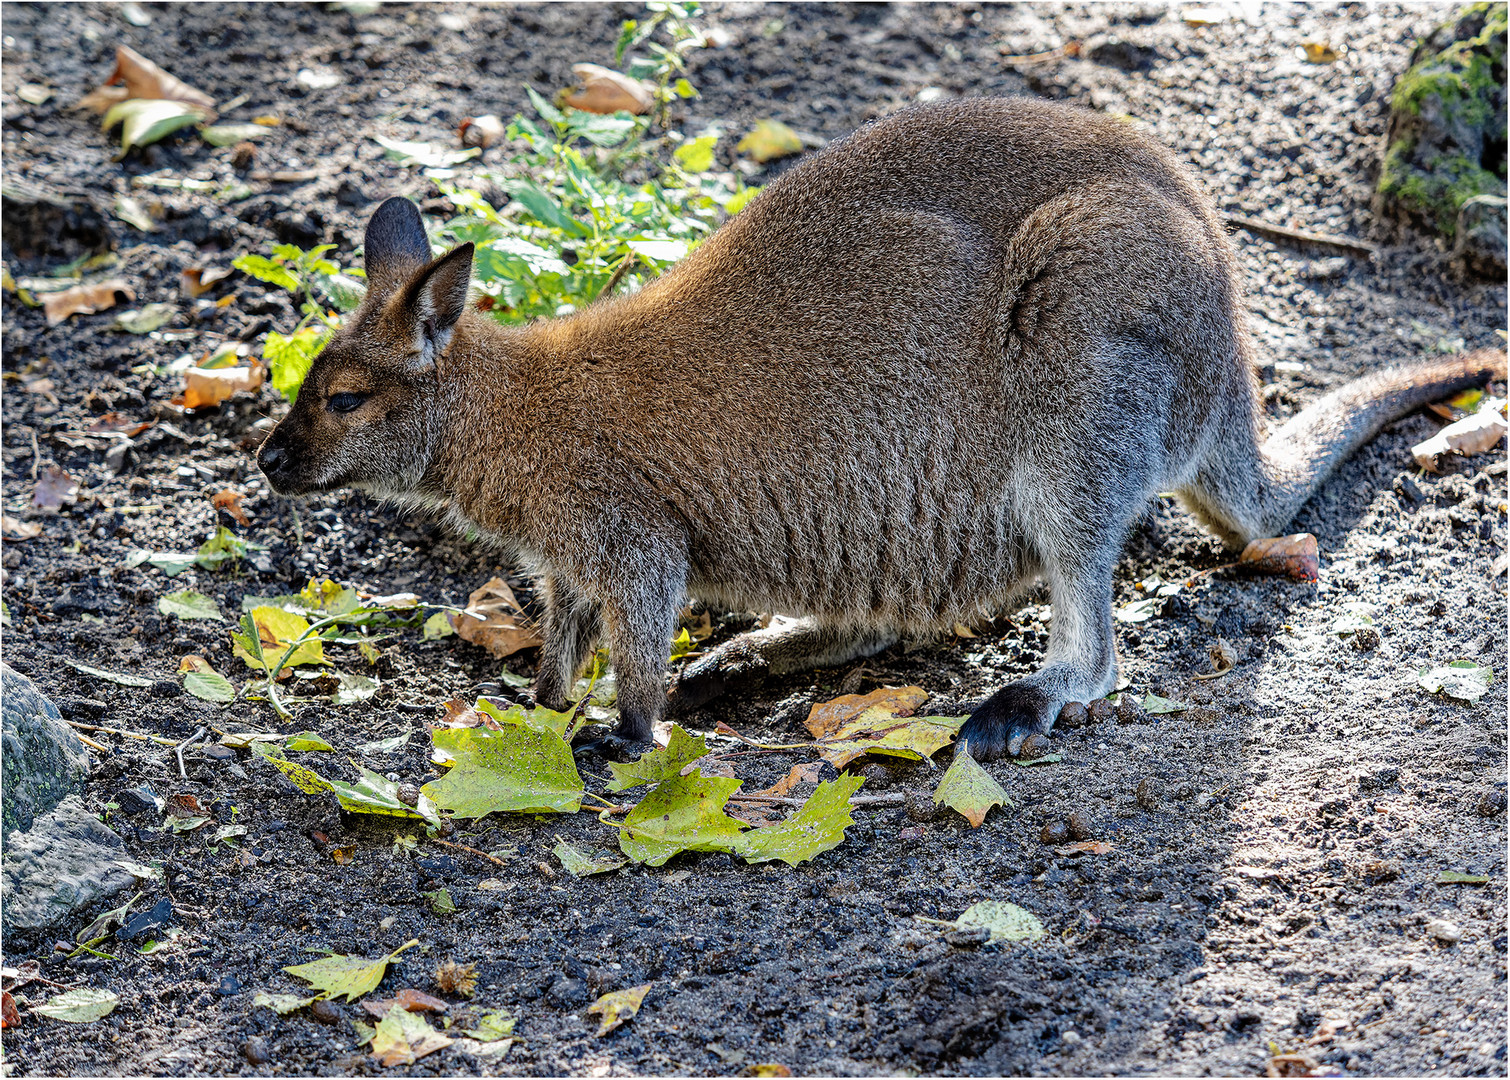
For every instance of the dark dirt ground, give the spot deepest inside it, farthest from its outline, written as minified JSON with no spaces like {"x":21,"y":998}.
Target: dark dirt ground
{"x":1242,"y":911}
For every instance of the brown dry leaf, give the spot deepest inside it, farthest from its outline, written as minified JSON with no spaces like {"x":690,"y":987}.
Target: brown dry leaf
{"x":698,"y":626}
{"x":10,"y":1016}
{"x":198,"y":280}
{"x":115,"y":423}
{"x":481,"y":131}
{"x":15,"y":529}
{"x":604,"y":90}
{"x":54,"y":490}
{"x":1084,"y":847}
{"x":963,"y":631}
{"x":402,"y":1038}
{"x":1319,"y":52}
{"x":1327,"y":1030}
{"x":196,"y":664}
{"x":344,"y":855}
{"x":137,"y":77}
{"x":503,"y":630}
{"x":1292,"y":1065}
{"x":1484,"y":430}
{"x":204,"y":387}
{"x":808,"y":772}
{"x":826,"y":717}
{"x":419,"y":1001}
{"x":1292,"y":556}
{"x":460,"y":714}
{"x":85,"y":299}
{"x":230,"y":502}
{"x":185,"y":804}
{"x":1223,"y":659}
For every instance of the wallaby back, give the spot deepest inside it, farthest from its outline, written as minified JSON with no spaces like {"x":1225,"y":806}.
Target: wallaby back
{"x":948,"y":356}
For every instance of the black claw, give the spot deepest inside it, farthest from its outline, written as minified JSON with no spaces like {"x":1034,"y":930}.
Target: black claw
{"x":1001,"y":723}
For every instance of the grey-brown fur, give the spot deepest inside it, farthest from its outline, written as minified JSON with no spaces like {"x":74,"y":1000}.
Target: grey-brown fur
{"x":946,"y":357}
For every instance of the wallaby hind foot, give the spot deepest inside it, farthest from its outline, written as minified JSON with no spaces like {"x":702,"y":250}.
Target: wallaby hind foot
{"x":785,"y":646}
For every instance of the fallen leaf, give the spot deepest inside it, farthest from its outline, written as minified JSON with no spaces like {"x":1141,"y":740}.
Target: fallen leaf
{"x":769,"y":140}
{"x":440,"y":902}
{"x":1286,"y":1065}
{"x":580,"y":864}
{"x":1005,"y":921}
{"x":438,"y":626}
{"x":1456,"y":877}
{"x":423,"y":155}
{"x":34,"y":93}
{"x":1084,"y":847}
{"x":202,"y":680}
{"x":619,"y":1006}
{"x":146,"y":319}
{"x":680,"y":751}
{"x":79,"y":1006}
{"x":116,"y":423}
{"x":1475,"y":434}
{"x":604,"y":91}
{"x":1292,"y":556}
{"x":1319,"y":52}
{"x":489,"y":1027}
{"x":826,"y":717}
{"x":499,"y":624}
{"x":109,"y":676}
{"x":1153,"y":703}
{"x":683,"y":813}
{"x":54,"y":490}
{"x":481,"y":131}
{"x":347,"y":976}
{"x":1461,"y":679}
{"x":282,"y":1004}
{"x":85,"y":299}
{"x":969,"y":789}
{"x":230,"y":134}
{"x":198,"y":280}
{"x":230,"y":502}
{"x":189,"y":605}
{"x":769,"y":1068}
{"x":204,"y":387}
{"x":14,"y":529}
{"x":878,"y":731}
{"x":1355,"y":616}
{"x":515,"y":768}
{"x":276,"y":631}
{"x":144,"y":122}
{"x":132,"y":212}
{"x":10,"y":1016}
{"x":403,"y":1037}
{"x":137,"y":77}
{"x":816,"y":827}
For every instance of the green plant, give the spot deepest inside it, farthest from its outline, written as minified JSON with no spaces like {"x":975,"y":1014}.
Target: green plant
{"x":315,"y":282}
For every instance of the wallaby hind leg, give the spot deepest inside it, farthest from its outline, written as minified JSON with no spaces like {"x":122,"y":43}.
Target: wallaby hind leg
{"x":786,"y":645}
{"x":573,"y":627}
{"x":1081,"y":664}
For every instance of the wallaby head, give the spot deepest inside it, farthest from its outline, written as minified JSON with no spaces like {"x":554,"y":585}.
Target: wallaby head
{"x":369,"y":413}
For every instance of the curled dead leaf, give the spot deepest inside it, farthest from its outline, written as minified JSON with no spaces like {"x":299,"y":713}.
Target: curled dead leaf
{"x":14,"y":529}
{"x":495,"y":621}
{"x":1293,"y":556}
{"x":198,"y":280}
{"x":482,"y":131}
{"x":230,"y":502}
{"x":828,"y":716}
{"x":54,"y":490}
{"x":204,"y":387}
{"x":1475,"y":434}
{"x":604,"y":90}
{"x":85,"y":299}
{"x":137,"y":77}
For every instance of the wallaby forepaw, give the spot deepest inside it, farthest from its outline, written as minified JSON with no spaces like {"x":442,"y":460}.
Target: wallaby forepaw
{"x":711,"y":676}
{"x":1000,"y":725}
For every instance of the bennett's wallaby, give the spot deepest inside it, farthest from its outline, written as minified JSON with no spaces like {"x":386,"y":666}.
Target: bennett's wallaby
{"x":949,"y":355}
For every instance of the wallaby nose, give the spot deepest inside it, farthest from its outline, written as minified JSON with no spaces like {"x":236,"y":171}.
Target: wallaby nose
{"x":272,"y":458}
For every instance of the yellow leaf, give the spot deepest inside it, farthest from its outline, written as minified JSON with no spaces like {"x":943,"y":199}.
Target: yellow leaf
{"x":277,"y":630}
{"x":771,"y":139}
{"x":826,"y":716}
{"x":618,"y":1006}
{"x":1319,"y":52}
{"x":403,"y":1037}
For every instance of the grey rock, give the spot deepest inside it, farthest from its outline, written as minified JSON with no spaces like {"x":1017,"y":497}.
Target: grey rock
{"x":65,"y":862}
{"x":1478,"y":249}
{"x":42,"y":760}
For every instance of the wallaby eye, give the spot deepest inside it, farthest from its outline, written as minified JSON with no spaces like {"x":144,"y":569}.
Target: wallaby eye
{"x":346,"y":402}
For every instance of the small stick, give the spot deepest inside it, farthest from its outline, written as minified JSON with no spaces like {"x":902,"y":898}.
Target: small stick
{"x":471,"y":851}
{"x":160,"y":740}
{"x":178,"y":751}
{"x":87,"y":741}
{"x":617,"y":275}
{"x":858,"y":800}
{"x":36,"y":455}
{"x":1347,"y":243}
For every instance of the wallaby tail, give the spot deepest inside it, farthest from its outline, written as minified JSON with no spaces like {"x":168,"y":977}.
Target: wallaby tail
{"x":1245,"y":490}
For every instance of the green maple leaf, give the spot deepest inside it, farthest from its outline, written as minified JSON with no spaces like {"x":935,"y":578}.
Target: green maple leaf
{"x":580,"y":864}
{"x":818,"y":826}
{"x":348,"y":976}
{"x":968,"y":788}
{"x":514,"y":768}
{"x":663,"y":763}
{"x":684,"y":813}
{"x":878,"y":730}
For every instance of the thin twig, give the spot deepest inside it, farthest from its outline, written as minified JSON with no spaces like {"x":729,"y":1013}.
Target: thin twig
{"x":471,"y":851}
{"x":858,"y":800}
{"x":160,"y":740}
{"x":1304,"y":236}
{"x":36,"y":455}
{"x":87,"y":741}
{"x":617,"y":275}
{"x":178,"y":751}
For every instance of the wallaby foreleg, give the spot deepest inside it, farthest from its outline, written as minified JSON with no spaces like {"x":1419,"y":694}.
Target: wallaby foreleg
{"x":1081,"y":665}
{"x":784,"y":646}
{"x":573,"y":627}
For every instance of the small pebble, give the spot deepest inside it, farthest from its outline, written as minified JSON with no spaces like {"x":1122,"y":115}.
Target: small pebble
{"x":326,"y":1012}
{"x":1490,"y":803}
{"x":1099,"y":711}
{"x":408,"y":794}
{"x":920,"y":806}
{"x":1071,"y":1037}
{"x":1035,"y":746}
{"x":1448,"y":933}
{"x":1148,"y":794}
{"x":255,"y":1051}
{"x":1072,"y":716}
{"x":228,"y":986}
{"x":1079,"y":826}
{"x":1055,"y":832}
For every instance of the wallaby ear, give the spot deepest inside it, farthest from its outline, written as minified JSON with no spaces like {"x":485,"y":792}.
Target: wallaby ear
{"x":395,"y":245}
{"x":434,"y":300}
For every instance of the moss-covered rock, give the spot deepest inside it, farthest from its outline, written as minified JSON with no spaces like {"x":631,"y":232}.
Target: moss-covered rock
{"x":1446,"y":136}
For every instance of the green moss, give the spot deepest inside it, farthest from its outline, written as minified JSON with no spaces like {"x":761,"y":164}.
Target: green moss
{"x":1439,"y":193}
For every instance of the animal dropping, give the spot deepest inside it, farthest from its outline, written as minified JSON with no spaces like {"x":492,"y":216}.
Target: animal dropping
{"x":948,"y":356}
